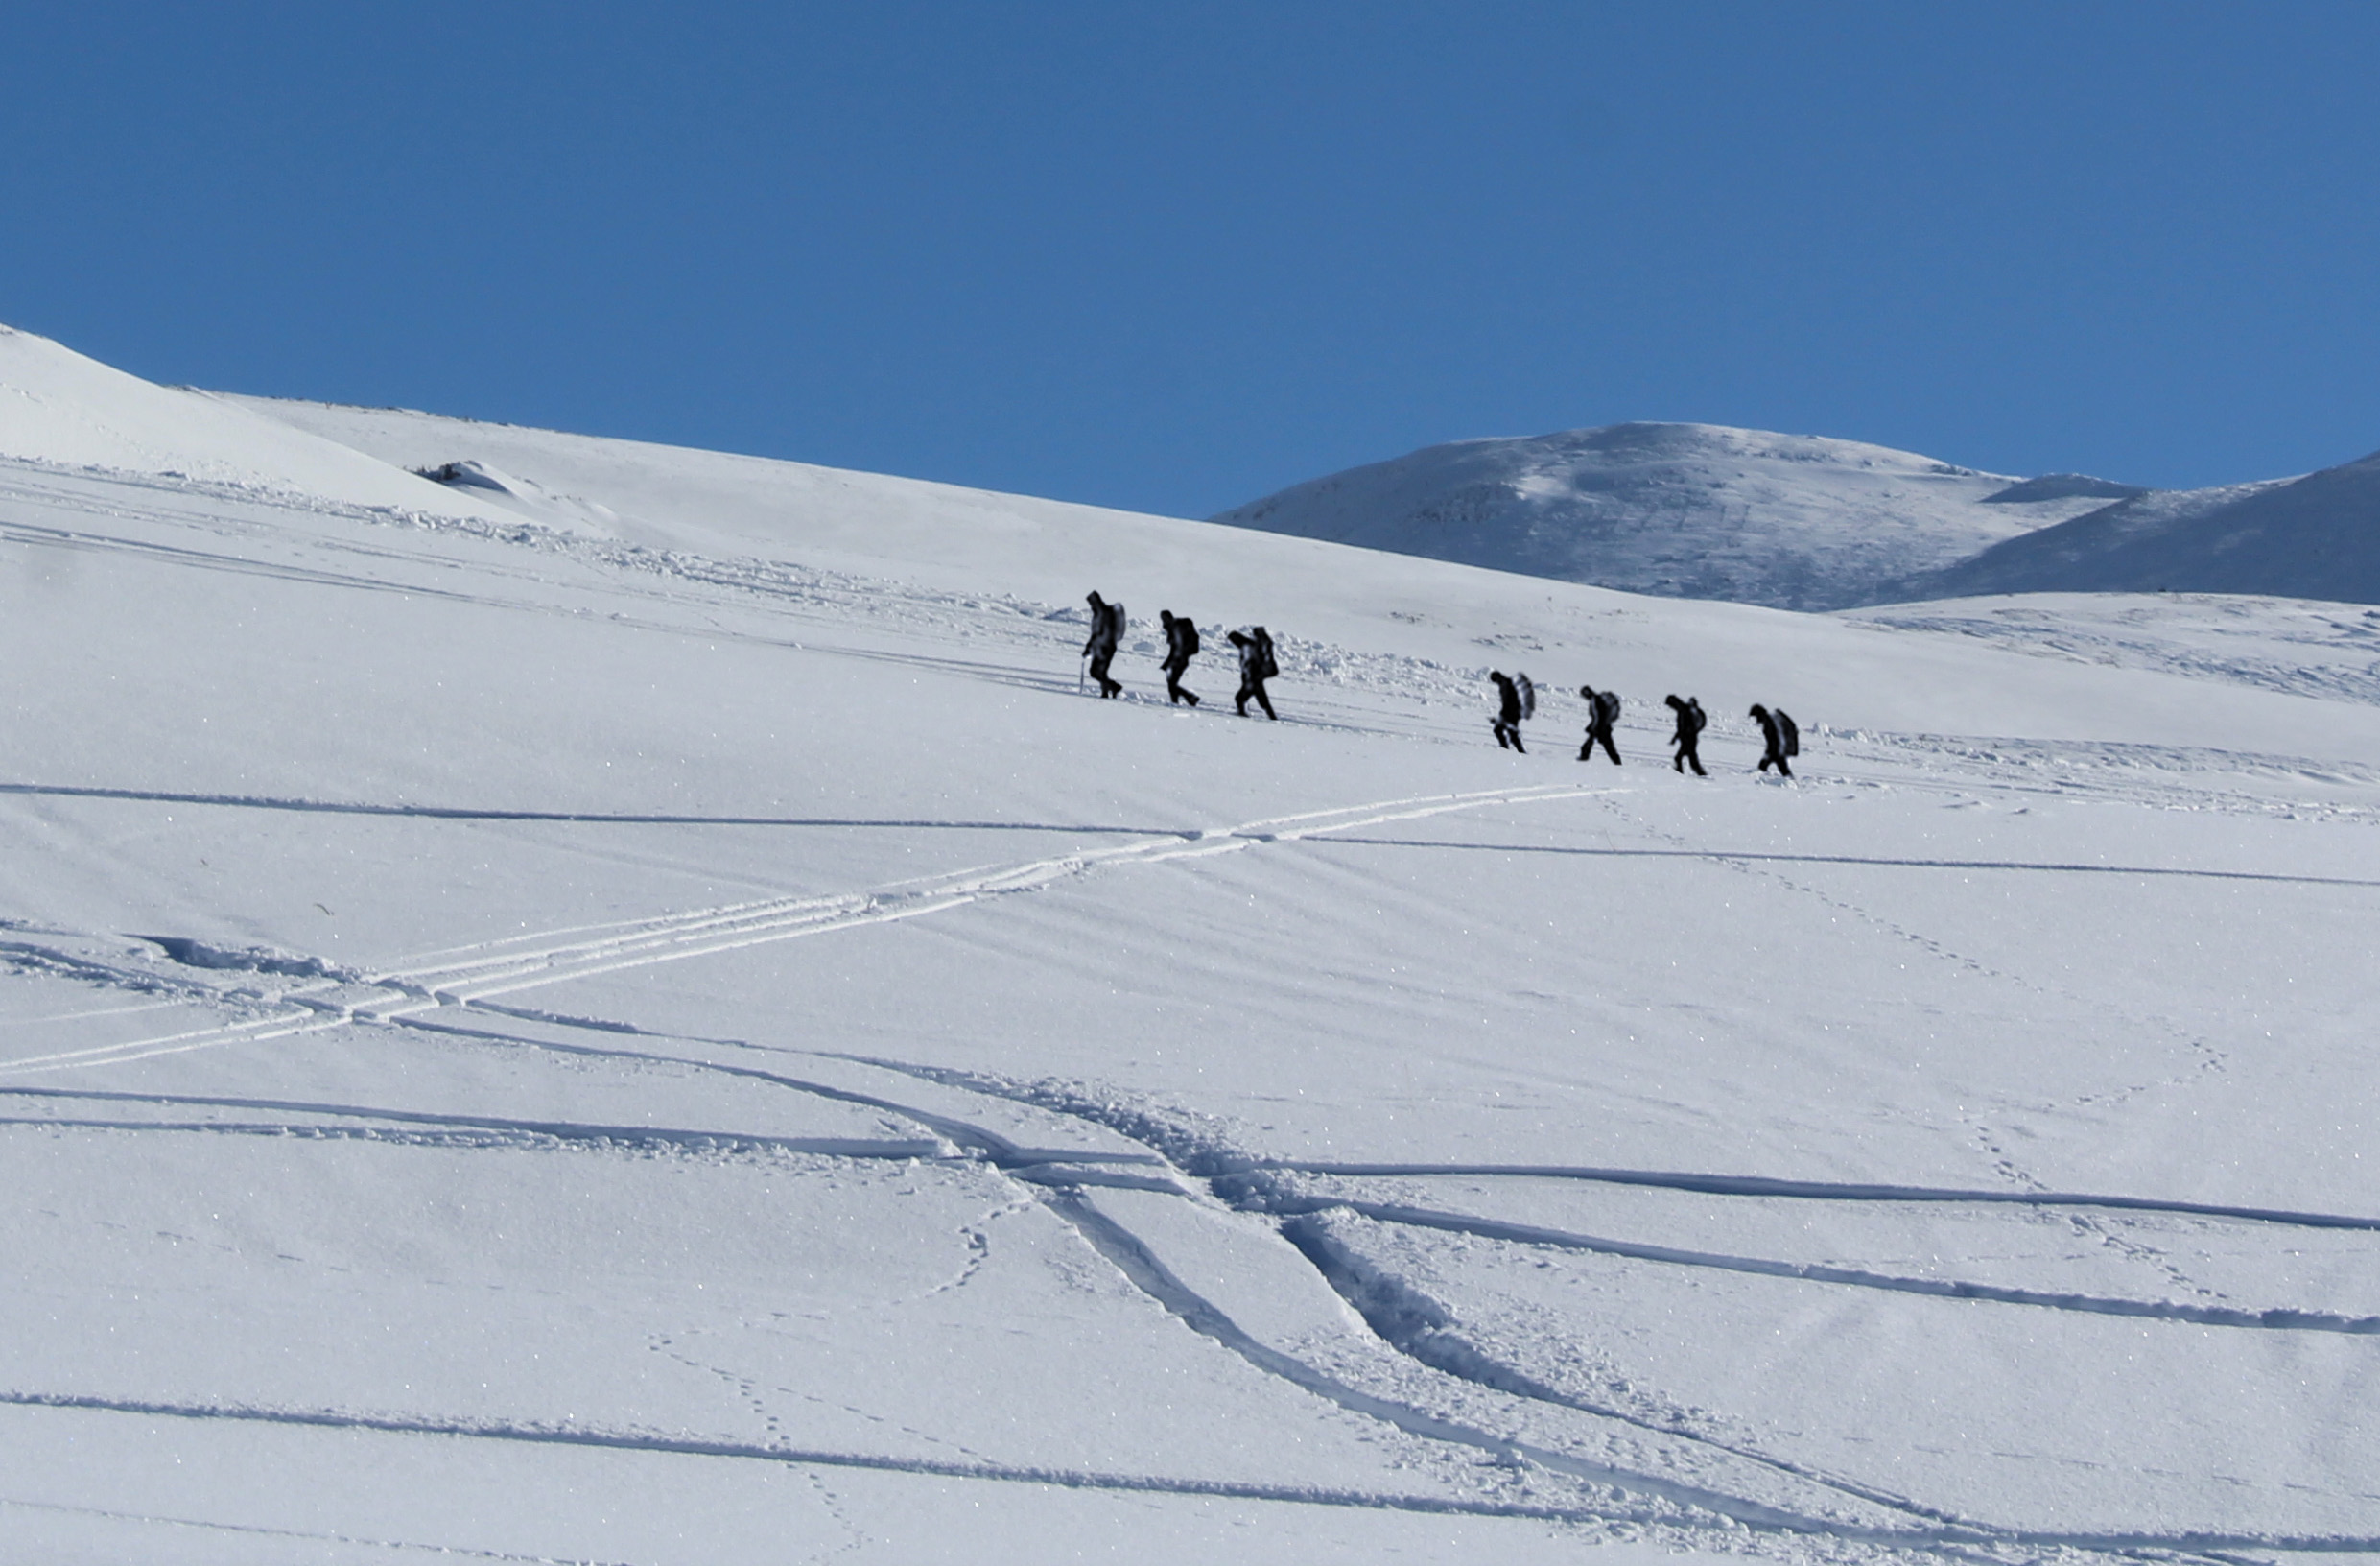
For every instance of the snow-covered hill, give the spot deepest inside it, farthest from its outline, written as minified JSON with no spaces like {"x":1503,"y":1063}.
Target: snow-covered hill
{"x":2315,"y":536}
{"x":59,"y":408}
{"x":1691,"y":510}
{"x":631,"y":1010}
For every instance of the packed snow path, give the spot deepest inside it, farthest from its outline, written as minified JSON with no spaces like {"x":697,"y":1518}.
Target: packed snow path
{"x":543,"y":1046}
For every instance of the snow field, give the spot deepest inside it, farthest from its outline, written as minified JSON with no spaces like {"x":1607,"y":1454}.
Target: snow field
{"x":658,"y":1044}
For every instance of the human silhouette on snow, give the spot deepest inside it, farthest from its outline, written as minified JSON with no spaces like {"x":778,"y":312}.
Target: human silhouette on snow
{"x":1506,"y":724}
{"x":1107,"y":629}
{"x":1256,"y":667}
{"x":1180,"y":645}
{"x":1773,"y":734}
{"x":1602,"y":712}
{"x":1690,"y":734}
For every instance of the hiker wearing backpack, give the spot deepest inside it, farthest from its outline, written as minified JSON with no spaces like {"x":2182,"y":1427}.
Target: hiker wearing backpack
{"x":1602,"y":712}
{"x":1180,"y":645}
{"x":1690,"y":734}
{"x":1773,"y":734}
{"x":1506,"y":726}
{"x":1107,"y":629}
{"x":1256,"y":667}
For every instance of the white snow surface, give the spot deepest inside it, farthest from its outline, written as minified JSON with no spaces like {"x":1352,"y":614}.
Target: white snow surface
{"x":654,"y":1022}
{"x":1692,"y":511}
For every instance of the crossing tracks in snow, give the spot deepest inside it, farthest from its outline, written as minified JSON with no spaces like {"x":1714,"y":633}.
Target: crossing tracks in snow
{"x":461,"y":975}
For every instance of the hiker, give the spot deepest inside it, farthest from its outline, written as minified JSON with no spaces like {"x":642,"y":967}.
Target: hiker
{"x":1602,"y":712}
{"x":1107,"y":629}
{"x":1256,"y":667}
{"x":1506,"y":726}
{"x":1690,"y":734}
{"x":1774,"y":753}
{"x":1180,"y":645}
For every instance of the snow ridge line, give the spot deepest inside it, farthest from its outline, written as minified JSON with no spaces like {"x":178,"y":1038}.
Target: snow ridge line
{"x":804,"y":1457}
{"x":1757,"y":1185}
{"x":2278,"y":1319}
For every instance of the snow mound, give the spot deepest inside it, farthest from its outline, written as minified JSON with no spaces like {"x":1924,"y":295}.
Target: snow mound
{"x":475,"y":475}
{"x":486,"y":481}
{"x":2316,"y":536}
{"x":1682,"y":511}
{"x":61,"y":409}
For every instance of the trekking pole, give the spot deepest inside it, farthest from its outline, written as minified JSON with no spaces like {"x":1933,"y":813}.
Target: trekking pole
{"x":1081,"y":662}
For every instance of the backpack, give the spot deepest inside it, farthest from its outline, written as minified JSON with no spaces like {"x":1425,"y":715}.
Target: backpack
{"x":1607,"y":708}
{"x":1265,"y":667}
{"x":1701,"y":719}
{"x":1528,"y":694}
{"x":1787,"y":732}
{"x":1188,"y":645}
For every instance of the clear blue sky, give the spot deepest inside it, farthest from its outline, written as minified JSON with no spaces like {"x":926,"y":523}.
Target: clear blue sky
{"x":1173,"y":256}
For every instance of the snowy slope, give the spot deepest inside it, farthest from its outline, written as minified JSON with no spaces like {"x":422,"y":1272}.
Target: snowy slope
{"x":673,"y":1032}
{"x":58,"y":406}
{"x":2315,"y":536}
{"x":1693,"y":510}
{"x":2305,"y":646}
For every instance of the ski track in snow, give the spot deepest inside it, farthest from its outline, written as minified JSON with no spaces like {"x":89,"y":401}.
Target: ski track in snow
{"x":1059,"y":1175}
{"x":462,"y":981}
{"x":198,"y":1525}
{"x":1929,"y":1529}
{"x":485,"y":971}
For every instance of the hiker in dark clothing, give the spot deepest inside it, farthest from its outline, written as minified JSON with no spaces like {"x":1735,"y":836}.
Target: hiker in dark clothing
{"x":1256,"y":667}
{"x":1773,"y":755}
{"x":1107,"y":629}
{"x":1690,"y":734}
{"x":1506,"y":724}
{"x":1180,"y":645}
{"x":1602,"y":712}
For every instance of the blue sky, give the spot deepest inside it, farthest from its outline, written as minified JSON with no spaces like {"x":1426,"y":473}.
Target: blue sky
{"x":1174,"y":256}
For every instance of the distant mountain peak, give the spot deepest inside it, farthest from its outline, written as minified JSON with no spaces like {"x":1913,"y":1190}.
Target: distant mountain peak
{"x":1687,"y":511}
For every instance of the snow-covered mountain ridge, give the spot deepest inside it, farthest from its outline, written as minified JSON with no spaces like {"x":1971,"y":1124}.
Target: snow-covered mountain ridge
{"x":1805,"y":522}
{"x":1687,"y":511}
{"x":2315,"y":536}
